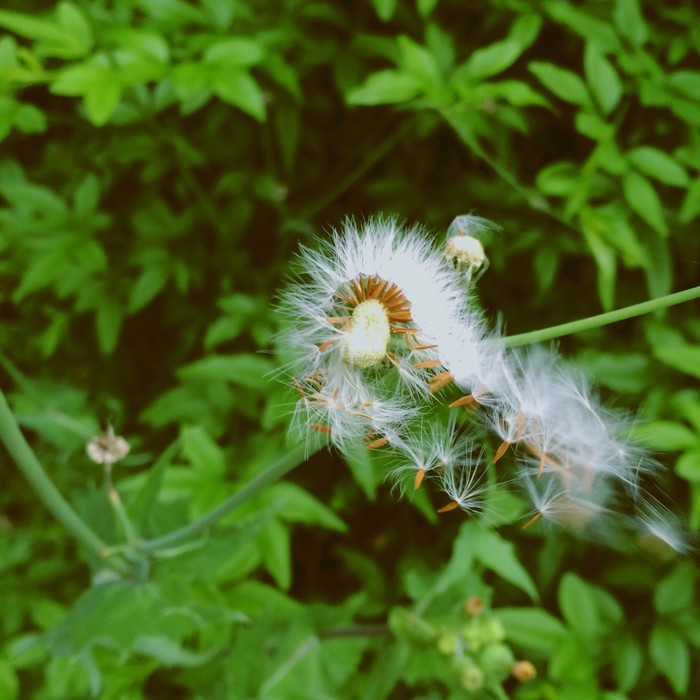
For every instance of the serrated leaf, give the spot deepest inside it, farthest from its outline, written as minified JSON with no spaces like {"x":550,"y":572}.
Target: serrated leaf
{"x":643,"y":200}
{"x":658,"y":165}
{"x":602,"y":78}
{"x":563,"y":83}
{"x":671,"y":656}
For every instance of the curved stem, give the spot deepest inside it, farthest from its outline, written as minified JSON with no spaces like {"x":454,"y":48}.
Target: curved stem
{"x":29,"y":465}
{"x":291,"y":459}
{"x":585,"y":324}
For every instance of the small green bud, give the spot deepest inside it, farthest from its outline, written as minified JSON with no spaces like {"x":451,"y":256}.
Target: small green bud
{"x":496,"y":661}
{"x":447,"y":643}
{"x":492,"y":630}
{"x":473,"y":636}
{"x":471,"y":677}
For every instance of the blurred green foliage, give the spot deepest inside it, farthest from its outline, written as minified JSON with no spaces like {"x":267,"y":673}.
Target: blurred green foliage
{"x":161,"y":160}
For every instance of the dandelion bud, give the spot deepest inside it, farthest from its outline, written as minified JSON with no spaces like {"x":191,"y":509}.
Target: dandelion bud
{"x":474,"y":605}
{"x":465,"y":253}
{"x":107,"y":448}
{"x":523,"y":670}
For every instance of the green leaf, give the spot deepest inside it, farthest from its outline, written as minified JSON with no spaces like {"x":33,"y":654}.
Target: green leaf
{"x":416,"y":60}
{"x":558,"y":179}
{"x":674,"y":594}
{"x":587,"y":26}
{"x":563,"y":83}
{"x":606,"y":262}
{"x":384,"y":8}
{"x":235,"y":53}
{"x":108,"y":323}
{"x":275,"y":547}
{"x":385,"y":87}
{"x":102,"y":97}
{"x":666,"y":435}
{"x":70,"y":37}
{"x":9,"y":683}
{"x":147,"y":286}
{"x":499,"y":555}
{"x":294,"y":504}
{"x":687,"y":82}
{"x":690,"y":209}
{"x":497,"y":57}
{"x":671,"y":656}
{"x":602,"y":78}
{"x":643,"y":200}
{"x":656,"y":164}
{"x":579,"y":605}
{"x":628,"y":662}
{"x":366,"y":474}
{"x":86,"y":196}
{"x":688,"y":466}
{"x":532,"y":628}
{"x":169,"y":653}
{"x":238,"y":88}
{"x":630,"y":22}
{"x":202,"y":452}
{"x":685,"y":358}
{"x":426,"y":7}
{"x":246,"y":370}
{"x":258,"y":599}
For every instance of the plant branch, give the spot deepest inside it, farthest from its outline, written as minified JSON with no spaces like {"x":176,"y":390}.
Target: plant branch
{"x":291,"y":459}
{"x":29,"y":465}
{"x":585,"y":324}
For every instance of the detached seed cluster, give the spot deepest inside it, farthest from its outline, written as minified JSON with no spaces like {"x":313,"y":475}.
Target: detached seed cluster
{"x":387,"y":347}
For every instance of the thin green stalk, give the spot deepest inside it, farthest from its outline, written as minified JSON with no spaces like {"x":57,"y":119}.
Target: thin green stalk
{"x":585,"y":324}
{"x":291,"y":459}
{"x":29,"y":465}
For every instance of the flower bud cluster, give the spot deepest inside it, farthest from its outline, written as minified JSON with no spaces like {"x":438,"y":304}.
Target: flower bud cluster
{"x":475,"y":647}
{"x":383,"y":331}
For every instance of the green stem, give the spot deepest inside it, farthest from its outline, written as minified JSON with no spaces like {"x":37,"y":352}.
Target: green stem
{"x":585,"y":324}
{"x":122,"y":516}
{"x":291,"y":459}
{"x":29,"y":465}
